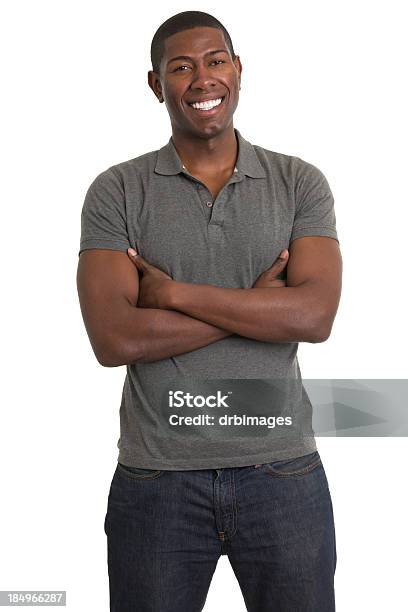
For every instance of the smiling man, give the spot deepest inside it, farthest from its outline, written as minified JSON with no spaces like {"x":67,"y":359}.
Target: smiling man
{"x":202,"y":266}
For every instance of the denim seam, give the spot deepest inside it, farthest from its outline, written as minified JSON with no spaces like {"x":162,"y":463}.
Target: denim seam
{"x":301,"y":472}
{"x":135,"y":476}
{"x":234,"y":502}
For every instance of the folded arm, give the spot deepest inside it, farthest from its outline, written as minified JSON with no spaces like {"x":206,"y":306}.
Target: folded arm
{"x":303,"y":311}
{"x":119,"y":332}
{"x":198,"y":315}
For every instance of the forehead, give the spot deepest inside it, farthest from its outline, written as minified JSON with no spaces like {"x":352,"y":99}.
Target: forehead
{"x":195,"y":41}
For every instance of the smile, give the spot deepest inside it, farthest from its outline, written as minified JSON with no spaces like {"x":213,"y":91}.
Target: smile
{"x":208,"y":106}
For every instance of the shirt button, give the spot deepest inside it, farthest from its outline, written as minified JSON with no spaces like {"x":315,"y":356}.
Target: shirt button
{"x":209,"y":204}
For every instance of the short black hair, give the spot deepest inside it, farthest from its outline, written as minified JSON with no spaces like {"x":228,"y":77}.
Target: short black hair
{"x":179,"y":23}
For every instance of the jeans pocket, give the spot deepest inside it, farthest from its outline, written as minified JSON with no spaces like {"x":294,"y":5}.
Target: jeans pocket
{"x":297,"y":466}
{"x":137,"y":473}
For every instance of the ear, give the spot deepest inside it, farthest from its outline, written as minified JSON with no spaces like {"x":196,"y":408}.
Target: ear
{"x":238,"y":66}
{"x":155,"y":85}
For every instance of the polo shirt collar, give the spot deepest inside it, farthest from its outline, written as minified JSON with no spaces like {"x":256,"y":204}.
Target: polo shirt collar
{"x":168,"y":160}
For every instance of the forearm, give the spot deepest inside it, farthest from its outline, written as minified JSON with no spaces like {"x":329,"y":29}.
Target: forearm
{"x":148,"y":334}
{"x":279,"y":314}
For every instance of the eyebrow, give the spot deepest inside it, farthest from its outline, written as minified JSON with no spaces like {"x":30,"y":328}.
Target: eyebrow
{"x":186,"y":57}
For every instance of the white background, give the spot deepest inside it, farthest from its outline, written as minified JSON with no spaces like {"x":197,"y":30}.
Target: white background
{"x":325,"y":81}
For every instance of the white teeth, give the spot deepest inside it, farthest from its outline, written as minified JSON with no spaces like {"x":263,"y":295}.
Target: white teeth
{"x":206,"y":105}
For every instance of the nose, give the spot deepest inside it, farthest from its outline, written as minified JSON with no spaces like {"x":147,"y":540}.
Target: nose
{"x":202,"y":78}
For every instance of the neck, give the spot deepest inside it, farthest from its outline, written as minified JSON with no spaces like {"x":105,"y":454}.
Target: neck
{"x":212,"y":155}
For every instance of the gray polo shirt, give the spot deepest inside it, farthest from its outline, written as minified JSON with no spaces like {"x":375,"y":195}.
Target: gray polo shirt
{"x":237,"y":401}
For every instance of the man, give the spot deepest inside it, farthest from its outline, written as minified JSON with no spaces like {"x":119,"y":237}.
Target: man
{"x":181,"y":278}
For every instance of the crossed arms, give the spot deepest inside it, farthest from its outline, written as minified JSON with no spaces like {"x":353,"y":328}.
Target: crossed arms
{"x":129,"y":320}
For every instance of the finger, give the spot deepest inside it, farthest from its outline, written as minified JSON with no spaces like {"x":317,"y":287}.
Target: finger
{"x":132,"y":253}
{"x":280,"y":262}
{"x":283,"y":255}
{"x":138,"y":260}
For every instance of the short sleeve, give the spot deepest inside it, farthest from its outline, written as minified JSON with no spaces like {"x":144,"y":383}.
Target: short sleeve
{"x":315,"y":215}
{"x":103,"y":217}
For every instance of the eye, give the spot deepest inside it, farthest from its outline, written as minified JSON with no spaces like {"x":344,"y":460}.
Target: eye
{"x":179,"y":68}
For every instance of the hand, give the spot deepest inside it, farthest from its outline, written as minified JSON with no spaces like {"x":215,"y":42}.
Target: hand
{"x":268,"y":278}
{"x":153,"y":285}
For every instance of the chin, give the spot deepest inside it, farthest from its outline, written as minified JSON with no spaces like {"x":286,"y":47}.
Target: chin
{"x":210,"y":131}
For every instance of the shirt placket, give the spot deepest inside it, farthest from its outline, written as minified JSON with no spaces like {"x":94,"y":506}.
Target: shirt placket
{"x":214,"y":209}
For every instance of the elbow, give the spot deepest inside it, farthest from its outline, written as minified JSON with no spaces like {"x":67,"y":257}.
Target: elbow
{"x":320,"y":336}
{"x":320,"y":328}
{"x":117,"y":355}
{"x":107,"y":357}
{"x":107,"y":361}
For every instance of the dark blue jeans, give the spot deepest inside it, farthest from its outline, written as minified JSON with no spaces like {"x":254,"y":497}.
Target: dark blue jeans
{"x":167,"y":529}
